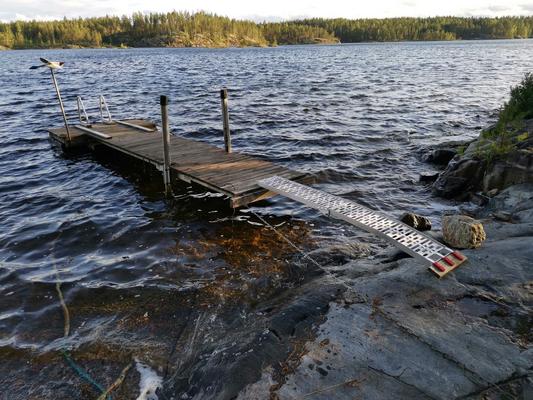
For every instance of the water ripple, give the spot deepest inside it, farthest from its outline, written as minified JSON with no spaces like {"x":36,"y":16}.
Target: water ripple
{"x":355,"y":115}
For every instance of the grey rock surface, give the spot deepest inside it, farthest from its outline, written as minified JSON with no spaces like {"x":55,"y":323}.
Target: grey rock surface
{"x":340,"y":253}
{"x":400,"y":333}
{"x":515,"y":168}
{"x":516,"y":200}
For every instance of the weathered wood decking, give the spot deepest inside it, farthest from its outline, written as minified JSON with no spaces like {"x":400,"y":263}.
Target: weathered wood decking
{"x":232,"y":174}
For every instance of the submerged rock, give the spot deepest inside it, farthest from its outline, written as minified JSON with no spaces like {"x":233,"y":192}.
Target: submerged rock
{"x":416,"y":221}
{"x":462,"y":232}
{"x":339,"y":254}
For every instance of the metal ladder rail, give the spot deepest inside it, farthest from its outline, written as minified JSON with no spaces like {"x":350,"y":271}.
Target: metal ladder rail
{"x":85,"y":122}
{"x":440,"y":258}
{"x":82,"y":113}
{"x":102,"y":104}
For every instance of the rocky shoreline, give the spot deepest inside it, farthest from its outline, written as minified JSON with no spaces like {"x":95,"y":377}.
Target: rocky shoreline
{"x":485,"y":166}
{"x":397,"y":332}
{"x":401,"y":333}
{"x":376,"y":325}
{"x":373,"y":324}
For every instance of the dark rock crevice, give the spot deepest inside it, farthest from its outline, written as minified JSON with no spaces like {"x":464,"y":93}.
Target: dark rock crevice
{"x":398,"y":378}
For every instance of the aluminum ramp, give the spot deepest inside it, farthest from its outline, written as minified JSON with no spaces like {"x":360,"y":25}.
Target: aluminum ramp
{"x":440,"y":258}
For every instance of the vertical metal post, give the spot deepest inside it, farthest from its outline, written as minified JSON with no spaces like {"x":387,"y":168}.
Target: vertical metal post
{"x":60,"y":103}
{"x":166,"y":144}
{"x":225,"y":119}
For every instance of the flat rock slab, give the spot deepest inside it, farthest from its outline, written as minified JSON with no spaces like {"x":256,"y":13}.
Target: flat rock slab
{"x":410,"y":336}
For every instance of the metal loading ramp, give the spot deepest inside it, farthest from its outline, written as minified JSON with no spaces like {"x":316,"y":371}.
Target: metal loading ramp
{"x":439,"y":258}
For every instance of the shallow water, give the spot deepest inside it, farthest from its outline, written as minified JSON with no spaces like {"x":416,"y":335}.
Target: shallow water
{"x":356,"y":115}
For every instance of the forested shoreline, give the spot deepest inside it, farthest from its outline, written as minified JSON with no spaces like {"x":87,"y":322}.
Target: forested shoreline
{"x":418,"y":29}
{"x":184,"y":29}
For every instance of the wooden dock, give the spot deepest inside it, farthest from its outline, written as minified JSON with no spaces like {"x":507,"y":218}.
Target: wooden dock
{"x":233,"y":174}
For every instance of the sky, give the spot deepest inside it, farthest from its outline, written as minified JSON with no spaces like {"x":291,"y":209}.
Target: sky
{"x":270,"y":10}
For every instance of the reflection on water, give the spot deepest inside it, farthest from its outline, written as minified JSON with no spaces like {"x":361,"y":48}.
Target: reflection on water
{"x":182,"y":283}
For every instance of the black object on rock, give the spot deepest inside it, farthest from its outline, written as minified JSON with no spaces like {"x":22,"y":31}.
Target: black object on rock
{"x":428,"y":178}
{"x":441,"y":156}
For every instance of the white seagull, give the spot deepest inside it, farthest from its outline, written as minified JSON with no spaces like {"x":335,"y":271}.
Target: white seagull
{"x":49,"y":64}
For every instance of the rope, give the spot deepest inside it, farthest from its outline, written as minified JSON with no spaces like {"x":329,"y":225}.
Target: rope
{"x":304,"y":254}
{"x":66,"y":315}
{"x":82,"y":373}
{"x":115,"y":384}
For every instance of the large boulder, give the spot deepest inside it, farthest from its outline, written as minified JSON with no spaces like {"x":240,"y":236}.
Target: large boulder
{"x":462,"y":232}
{"x":428,"y":177}
{"x":513,"y":169}
{"x":442,"y":153}
{"x":461,"y":176}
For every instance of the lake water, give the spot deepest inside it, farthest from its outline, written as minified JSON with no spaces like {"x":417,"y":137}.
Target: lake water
{"x":140,"y":273}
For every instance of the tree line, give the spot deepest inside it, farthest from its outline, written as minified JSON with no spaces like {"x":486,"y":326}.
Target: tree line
{"x":183,"y":29}
{"x":436,"y":28}
{"x":173,"y":29}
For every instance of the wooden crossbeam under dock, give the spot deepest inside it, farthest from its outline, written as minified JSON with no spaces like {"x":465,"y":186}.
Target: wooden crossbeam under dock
{"x":232,"y":174}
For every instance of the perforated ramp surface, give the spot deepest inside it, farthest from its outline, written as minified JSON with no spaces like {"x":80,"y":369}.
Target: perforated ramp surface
{"x":441,"y":259}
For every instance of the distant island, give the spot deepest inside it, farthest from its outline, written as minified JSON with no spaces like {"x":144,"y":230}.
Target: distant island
{"x":201,"y":29}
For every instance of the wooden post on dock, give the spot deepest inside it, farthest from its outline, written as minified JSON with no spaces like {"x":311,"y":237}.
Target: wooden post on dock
{"x":166,"y":144}
{"x":225,"y":119}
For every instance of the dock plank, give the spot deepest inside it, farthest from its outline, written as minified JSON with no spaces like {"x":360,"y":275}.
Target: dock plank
{"x":222,"y":176}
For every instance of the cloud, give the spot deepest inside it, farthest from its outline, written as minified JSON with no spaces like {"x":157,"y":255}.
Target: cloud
{"x":527,"y":7}
{"x":9,"y":16}
{"x":499,"y":8}
{"x":55,"y":9}
{"x":262,"y":18}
